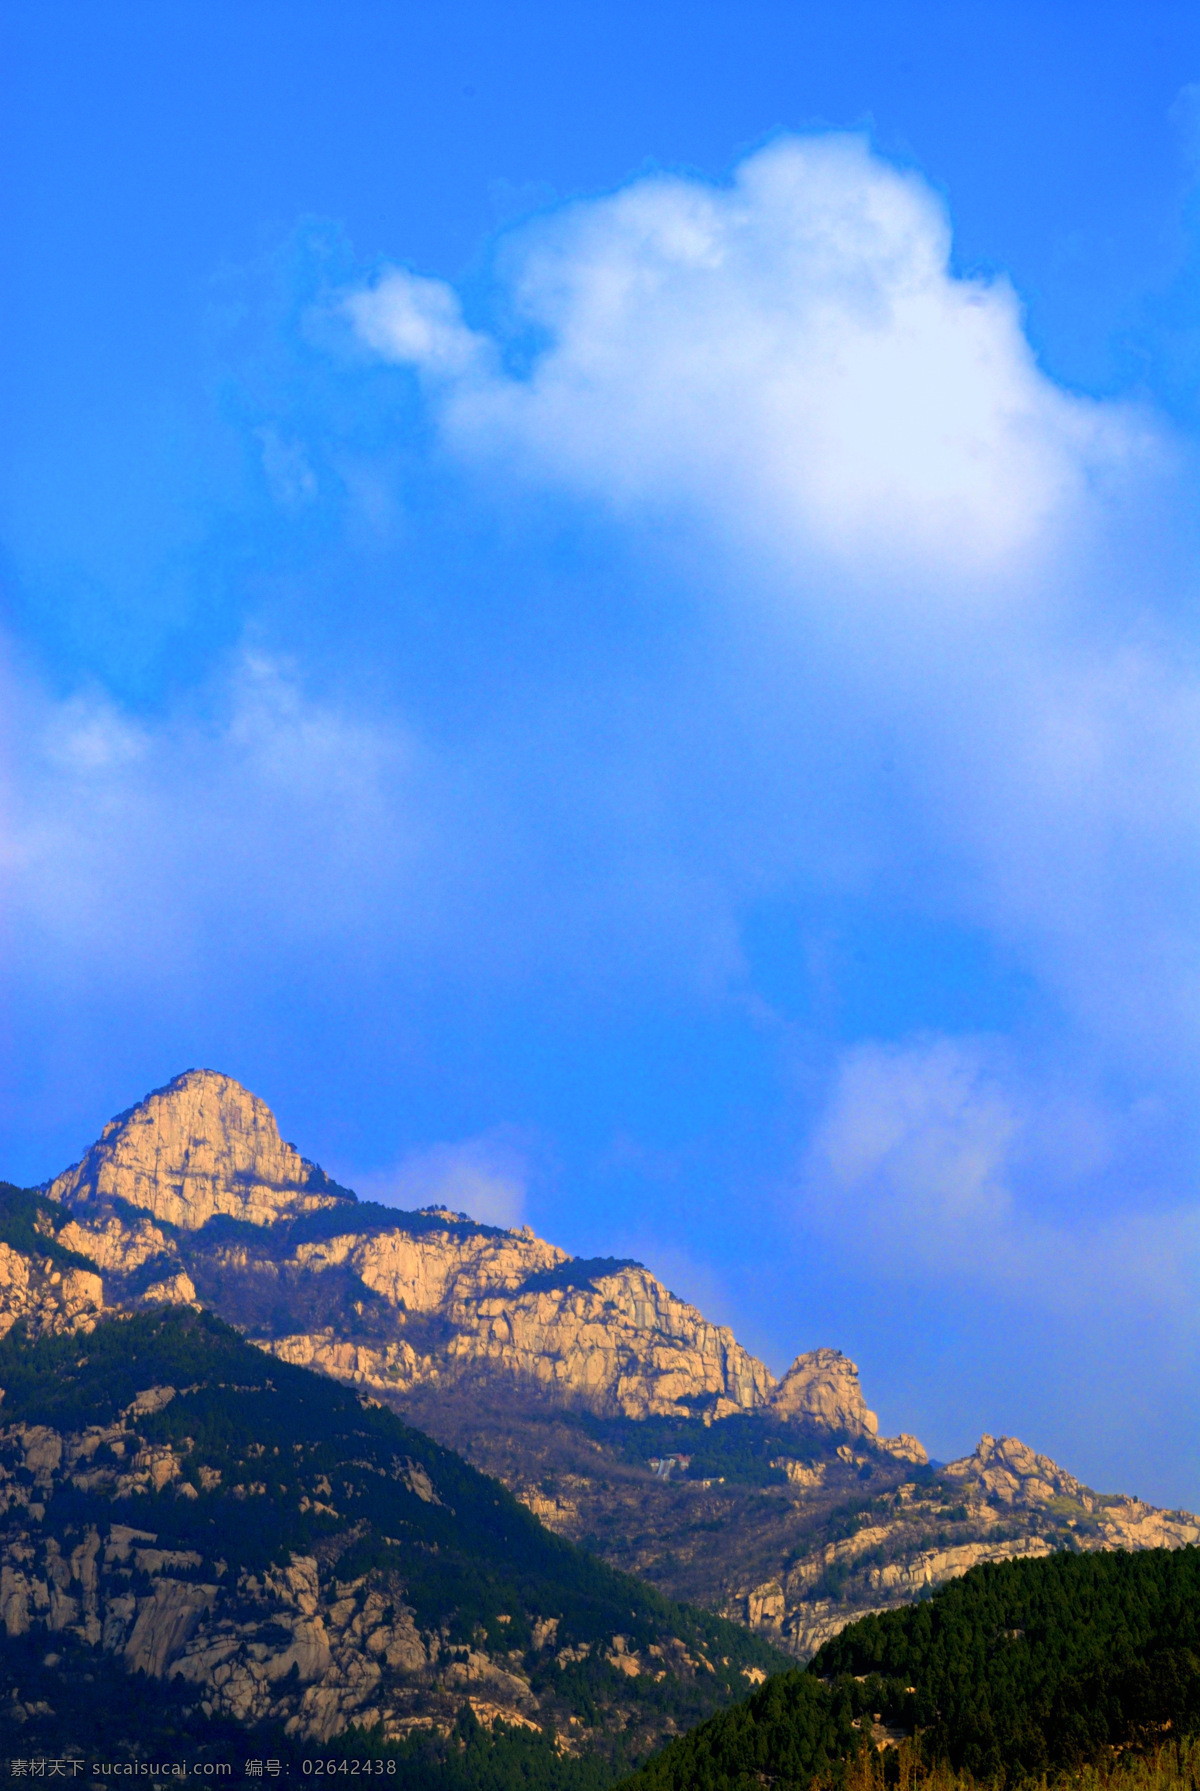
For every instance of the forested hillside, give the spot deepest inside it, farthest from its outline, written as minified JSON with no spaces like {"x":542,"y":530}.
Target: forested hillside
{"x":273,"y":1552}
{"x":1015,"y":1672}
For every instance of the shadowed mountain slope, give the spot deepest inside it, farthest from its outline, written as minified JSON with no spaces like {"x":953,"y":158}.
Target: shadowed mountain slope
{"x":280,"y":1552}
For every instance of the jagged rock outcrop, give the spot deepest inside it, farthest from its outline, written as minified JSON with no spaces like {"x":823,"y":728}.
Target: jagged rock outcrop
{"x":200,"y":1146}
{"x":1008,"y":1472}
{"x":1006,"y":1487}
{"x":822,"y":1387}
{"x":117,"y":1245}
{"x":905,"y":1447}
{"x":44,"y":1296}
{"x":622,"y":1344}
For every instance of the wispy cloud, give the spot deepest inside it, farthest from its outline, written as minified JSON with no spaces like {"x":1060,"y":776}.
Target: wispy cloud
{"x":290,"y":478}
{"x":410,"y":318}
{"x":486,"y":1177}
{"x":137,"y":843}
{"x":938,"y":1160}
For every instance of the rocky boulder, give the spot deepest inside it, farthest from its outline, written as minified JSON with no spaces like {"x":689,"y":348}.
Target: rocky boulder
{"x":1008,"y":1472}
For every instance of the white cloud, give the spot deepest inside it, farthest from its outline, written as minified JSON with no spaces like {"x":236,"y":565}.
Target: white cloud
{"x":787,"y":357}
{"x":408,"y":318}
{"x":279,"y":818}
{"x":486,"y":1177}
{"x":920,"y":1138}
{"x":929,"y":555}
{"x":936,"y":1158}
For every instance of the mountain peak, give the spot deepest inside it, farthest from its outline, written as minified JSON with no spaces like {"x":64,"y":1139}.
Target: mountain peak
{"x":202,"y":1145}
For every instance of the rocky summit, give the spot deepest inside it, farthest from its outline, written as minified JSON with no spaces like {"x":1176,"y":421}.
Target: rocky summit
{"x":391,"y":1300}
{"x":613,"y":1410}
{"x":201,"y":1146}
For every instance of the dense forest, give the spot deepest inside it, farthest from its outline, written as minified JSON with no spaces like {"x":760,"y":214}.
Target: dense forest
{"x":1017,"y":1672}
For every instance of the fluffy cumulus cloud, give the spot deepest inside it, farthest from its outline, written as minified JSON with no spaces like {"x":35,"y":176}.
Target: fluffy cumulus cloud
{"x":955,"y":562}
{"x":788,"y":354}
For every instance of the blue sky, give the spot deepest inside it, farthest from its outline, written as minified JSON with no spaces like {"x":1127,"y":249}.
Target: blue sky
{"x":599,"y":603}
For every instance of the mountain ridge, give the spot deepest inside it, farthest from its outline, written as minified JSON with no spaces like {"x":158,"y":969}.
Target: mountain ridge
{"x":806,"y":1516}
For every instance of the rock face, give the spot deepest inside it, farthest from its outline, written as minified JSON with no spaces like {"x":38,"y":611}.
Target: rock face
{"x":622,"y":1344}
{"x":290,"y":1644}
{"x":47,"y":1299}
{"x":202,"y":1145}
{"x":383,"y":1299}
{"x":1007,"y":1474}
{"x":310,"y":1561}
{"x":822,"y":1387}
